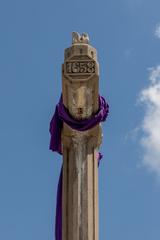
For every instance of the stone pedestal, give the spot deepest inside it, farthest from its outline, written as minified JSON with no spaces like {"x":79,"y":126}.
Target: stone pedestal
{"x":80,"y":76}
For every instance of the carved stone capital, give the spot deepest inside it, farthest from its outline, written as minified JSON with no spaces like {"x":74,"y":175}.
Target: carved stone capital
{"x":80,"y":78}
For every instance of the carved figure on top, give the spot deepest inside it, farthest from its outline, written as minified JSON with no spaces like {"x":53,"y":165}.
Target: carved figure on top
{"x":78,"y":39}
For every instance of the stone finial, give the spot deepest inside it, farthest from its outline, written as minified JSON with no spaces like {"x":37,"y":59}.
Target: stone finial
{"x":78,"y":39}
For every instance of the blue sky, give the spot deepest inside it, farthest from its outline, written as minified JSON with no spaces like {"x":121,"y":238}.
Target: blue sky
{"x":34,"y":34}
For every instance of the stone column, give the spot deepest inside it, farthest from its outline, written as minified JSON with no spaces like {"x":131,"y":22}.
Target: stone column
{"x":80,"y":77}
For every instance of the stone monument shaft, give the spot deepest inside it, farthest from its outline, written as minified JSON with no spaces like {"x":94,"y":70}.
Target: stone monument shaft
{"x":80,"y":87}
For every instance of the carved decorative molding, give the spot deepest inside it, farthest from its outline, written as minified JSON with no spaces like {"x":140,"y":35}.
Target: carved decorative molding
{"x":72,"y":138}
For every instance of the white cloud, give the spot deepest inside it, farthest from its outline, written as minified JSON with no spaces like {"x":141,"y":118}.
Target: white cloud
{"x":150,"y":98}
{"x":157,"y":31}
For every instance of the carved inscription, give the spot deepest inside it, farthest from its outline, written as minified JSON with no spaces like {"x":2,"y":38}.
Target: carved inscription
{"x":78,"y":67}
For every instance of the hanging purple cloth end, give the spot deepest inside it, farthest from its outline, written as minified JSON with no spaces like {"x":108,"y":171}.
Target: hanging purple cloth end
{"x":61,"y":115}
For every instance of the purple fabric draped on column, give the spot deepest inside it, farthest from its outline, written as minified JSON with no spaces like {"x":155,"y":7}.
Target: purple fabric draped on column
{"x":62,"y":115}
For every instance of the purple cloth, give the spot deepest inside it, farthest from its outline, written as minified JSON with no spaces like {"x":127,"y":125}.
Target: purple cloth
{"x":62,"y":115}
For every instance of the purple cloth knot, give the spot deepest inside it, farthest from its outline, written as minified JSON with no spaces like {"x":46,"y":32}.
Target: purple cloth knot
{"x":62,"y":115}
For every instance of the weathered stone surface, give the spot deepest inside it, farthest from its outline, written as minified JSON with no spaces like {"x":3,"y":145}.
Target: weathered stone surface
{"x":80,"y":77}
